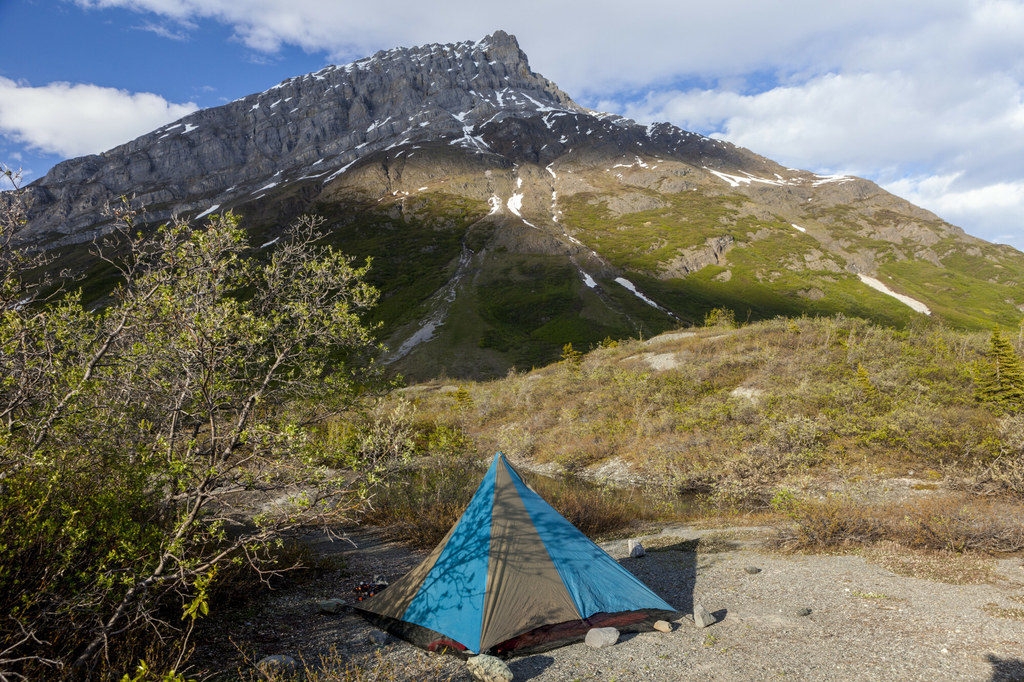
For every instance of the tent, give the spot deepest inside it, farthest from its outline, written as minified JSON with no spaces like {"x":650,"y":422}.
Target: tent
{"x":512,"y":575}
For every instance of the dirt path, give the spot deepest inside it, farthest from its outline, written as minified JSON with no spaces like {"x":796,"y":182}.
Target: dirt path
{"x":867,"y":620}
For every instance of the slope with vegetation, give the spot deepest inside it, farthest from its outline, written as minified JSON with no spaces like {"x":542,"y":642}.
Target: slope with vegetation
{"x":162,"y":446}
{"x":196,"y":392}
{"x":874,"y":432}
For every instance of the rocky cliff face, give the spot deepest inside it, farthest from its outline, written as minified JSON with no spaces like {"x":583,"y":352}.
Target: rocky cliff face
{"x":313,"y":125}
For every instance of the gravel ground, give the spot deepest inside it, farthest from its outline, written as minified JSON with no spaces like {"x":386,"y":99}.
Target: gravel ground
{"x":866,"y":622}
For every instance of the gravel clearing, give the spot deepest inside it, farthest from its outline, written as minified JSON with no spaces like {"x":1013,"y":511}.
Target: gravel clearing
{"x":864,"y":622}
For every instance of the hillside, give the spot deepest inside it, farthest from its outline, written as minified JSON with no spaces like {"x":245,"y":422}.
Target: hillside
{"x":735,"y":413}
{"x":504,"y":220}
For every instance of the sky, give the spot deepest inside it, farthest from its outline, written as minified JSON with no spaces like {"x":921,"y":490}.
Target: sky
{"x":924,"y":97}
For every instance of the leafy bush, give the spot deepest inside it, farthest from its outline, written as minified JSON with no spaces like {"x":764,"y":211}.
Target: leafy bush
{"x":134,"y":435}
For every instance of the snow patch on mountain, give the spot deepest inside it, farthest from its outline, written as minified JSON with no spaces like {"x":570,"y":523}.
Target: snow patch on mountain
{"x":208,"y":211}
{"x":826,"y":179}
{"x":636,"y":292}
{"x":515,"y":204}
{"x":440,"y":306}
{"x":905,"y":300}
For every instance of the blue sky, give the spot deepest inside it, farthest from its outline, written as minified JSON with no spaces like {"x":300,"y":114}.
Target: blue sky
{"x":926,"y":97}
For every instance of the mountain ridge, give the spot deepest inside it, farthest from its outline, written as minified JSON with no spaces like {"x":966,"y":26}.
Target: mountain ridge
{"x":335,"y":130}
{"x":505,"y":220}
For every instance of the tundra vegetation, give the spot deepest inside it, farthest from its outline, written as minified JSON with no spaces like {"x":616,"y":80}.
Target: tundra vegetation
{"x":163,"y":439}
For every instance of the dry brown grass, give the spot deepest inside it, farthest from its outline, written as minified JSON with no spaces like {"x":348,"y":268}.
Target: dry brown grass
{"x":803,"y":404}
{"x":997,"y":611}
{"x":420,"y":504}
{"x":951,"y":523}
{"x":757,"y":405}
{"x":940,"y":566}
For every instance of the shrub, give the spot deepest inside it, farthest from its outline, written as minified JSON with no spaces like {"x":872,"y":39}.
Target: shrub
{"x":1000,"y":378}
{"x":941,"y":523}
{"x":126,"y":428}
{"x":422,"y":502}
{"x":720,"y":317}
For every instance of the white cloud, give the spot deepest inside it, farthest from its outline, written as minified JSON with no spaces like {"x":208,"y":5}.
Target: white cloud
{"x":872,"y":123}
{"x":588,"y":48}
{"x":77,"y":119}
{"x":163,"y":31}
{"x":994,"y":211}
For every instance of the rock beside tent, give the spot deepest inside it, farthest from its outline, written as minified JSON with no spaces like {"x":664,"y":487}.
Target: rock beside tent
{"x":599,"y":638}
{"x":488,"y":669}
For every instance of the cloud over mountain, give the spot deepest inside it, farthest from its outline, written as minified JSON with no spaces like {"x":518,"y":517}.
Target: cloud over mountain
{"x":74,"y":119}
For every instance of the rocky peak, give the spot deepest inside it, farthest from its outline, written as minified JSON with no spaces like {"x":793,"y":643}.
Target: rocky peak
{"x":316,"y":125}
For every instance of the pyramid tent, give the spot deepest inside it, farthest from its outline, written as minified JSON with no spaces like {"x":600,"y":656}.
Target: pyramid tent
{"x":512,"y":575}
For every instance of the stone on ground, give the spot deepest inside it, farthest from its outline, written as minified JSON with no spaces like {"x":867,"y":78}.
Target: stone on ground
{"x":636,"y":550}
{"x":702,"y":617}
{"x":276,"y":666}
{"x":331,"y":606}
{"x":599,"y":638}
{"x":752,"y":570}
{"x":488,"y":669}
{"x":803,"y":612}
{"x":376,"y":637}
{"x":663,"y":626}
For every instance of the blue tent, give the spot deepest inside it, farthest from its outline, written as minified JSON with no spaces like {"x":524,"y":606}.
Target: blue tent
{"x":512,"y":575}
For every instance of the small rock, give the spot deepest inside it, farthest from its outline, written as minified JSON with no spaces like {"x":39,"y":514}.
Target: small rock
{"x":636,"y":550}
{"x":752,"y":570}
{"x":599,"y":638}
{"x":663,"y":626}
{"x":278,"y":665}
{"x":702,"y":617}
{"x":803,"y":612}
{"x":331,"y":606}
{"x":488,"y":669}
{"x":376,"y":637}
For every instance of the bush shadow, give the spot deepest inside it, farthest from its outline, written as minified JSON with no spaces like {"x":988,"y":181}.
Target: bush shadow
{"x":1006,"y":669}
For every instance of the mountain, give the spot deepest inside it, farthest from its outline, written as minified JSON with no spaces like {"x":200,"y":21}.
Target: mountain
{"x":505,"y":220}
